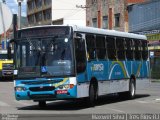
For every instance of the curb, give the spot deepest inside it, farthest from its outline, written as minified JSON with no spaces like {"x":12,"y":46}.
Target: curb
{"x":156,"y":80}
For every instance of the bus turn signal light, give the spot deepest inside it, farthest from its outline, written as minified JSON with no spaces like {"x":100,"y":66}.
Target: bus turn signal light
{"x":71,"y":86}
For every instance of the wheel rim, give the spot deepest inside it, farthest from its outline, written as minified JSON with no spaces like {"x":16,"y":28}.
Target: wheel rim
{"x":132,"y":90}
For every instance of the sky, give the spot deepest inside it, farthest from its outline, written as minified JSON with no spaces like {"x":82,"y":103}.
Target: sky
{"x":13,"y":5}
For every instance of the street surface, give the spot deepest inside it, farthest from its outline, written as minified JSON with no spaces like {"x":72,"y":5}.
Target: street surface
{"x":147,"y":101}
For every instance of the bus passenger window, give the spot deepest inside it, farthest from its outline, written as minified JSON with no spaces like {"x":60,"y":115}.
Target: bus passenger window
{"x":111,"y":49}
{"x":120,"y":48}
{"x":80,"y":54}
{"x":144,"y":50}
{"x":100,"y":47}
{"x":91,"y":49}
{"x":138,"y":49}
{"x":129,"y":49}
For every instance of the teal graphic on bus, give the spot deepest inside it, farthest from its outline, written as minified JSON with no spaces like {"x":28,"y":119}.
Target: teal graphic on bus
{"x":71,"y":62}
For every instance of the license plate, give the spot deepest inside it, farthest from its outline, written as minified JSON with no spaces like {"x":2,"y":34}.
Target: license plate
{"x":62,"y":91}
{"x":7,"y":73}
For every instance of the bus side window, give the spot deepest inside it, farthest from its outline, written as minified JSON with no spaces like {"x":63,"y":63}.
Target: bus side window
{"x":129,"y":49}
{"x":111,"y":49}
{"x":120,"y":48}
{"x":80,"y":53}
{"x":144,"y":50}
{"x":100,"y":47}
{"x":138,"y":49}
{"x":91,"y":49}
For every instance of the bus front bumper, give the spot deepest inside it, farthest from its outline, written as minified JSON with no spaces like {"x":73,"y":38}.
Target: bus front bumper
{"x":46,"y":95}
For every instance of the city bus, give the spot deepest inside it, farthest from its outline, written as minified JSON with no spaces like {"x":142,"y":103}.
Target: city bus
{"x":70,"y":62}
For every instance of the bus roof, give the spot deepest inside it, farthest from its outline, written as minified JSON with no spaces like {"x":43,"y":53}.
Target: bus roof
{"x":97,"y":31}
{"x":109,"y":32}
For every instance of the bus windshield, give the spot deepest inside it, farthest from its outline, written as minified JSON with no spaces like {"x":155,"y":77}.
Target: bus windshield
{"x":44,"y":56}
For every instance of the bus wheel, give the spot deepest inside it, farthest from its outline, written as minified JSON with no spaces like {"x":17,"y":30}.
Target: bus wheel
{"x":132,"y":89}
{"x":93,"y":94}
{"x":131,"y":93}
{"x":42,"y":104}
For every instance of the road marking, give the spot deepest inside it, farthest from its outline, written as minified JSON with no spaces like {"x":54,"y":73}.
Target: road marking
{"x":116,"y":110}
{"x":22,"y":103}
{"x":139,"y":101}
{"x":158,"y":99}
{"x":4,"y":104}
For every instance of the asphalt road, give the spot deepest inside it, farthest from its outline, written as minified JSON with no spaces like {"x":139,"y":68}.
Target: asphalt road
{"x":147,"y":101}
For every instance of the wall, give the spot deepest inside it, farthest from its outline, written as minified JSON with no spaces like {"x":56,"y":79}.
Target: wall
{"x":99,"y":9}
{"x":135,"y":1}
{"x":144,"y":17}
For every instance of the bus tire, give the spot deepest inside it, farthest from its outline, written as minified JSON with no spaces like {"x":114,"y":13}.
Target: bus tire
{"x":93,"y":94}
{"x":42,"y":104}
{"x":132,"y":90}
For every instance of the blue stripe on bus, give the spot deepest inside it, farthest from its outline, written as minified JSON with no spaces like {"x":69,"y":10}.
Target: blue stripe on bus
{"x":114,"y":70}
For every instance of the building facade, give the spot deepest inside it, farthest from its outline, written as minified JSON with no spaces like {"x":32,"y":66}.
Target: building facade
{"x":144,"y":16}
{"x":39,"y":12}
{"x":108,"y":14}
{"x":135,"y":1}
{"x":46,"y":12}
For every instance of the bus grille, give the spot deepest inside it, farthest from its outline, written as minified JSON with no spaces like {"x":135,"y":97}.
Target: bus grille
{"x":44,"y":88}
{"x":42,"y":96}
{"x":41,"y":82}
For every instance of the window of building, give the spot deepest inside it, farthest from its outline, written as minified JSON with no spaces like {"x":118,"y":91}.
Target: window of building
{"x":31,"y":5}
{"x":38,"y":16}
{"x":94,"y":22}
{"x":100,"y":47}
{"x":105,"y":22}
{"x":47,"y":14}
{"x":117,"y":20}
{"x":104,"y":2}
{"x":94,"y":1}
{"x":31,"y":19}
{"x":47,"y":2}
{"x":111,"y":48}
{"x":38,"y":3}
{"x":91,"y":48}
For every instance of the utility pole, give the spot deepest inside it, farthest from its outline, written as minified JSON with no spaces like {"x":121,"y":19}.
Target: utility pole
{"x":19,"y":13}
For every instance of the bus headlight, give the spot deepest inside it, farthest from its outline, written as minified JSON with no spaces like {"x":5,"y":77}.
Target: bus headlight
{"x":66,"y":87}
{"x":20,"y":88}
